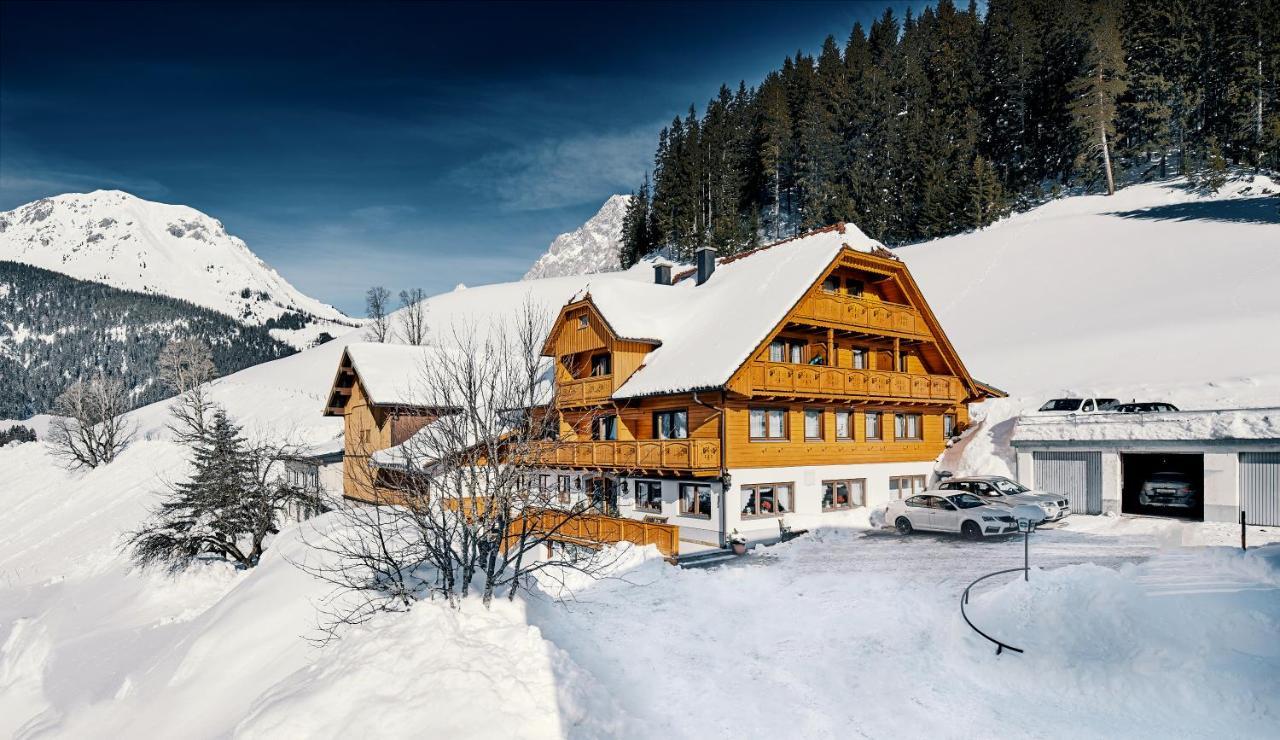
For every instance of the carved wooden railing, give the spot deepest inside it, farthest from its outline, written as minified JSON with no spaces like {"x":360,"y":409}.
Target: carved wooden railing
{"x":590,"y":391}
{"x":819,"y":381}
{"x":860,"y":314}
{"x":594,"y":530}
{"x":642,"y":454}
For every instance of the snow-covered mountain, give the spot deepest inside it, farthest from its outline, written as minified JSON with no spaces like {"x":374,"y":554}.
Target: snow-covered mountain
{"x":118,"y":239}
{"x":590,"y":248}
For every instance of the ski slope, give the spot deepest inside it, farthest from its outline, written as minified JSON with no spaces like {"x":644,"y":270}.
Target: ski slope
{"x":1157,"y":291}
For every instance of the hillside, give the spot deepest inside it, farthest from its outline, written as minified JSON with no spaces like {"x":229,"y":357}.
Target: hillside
{"x":118,"y":239}
{"x":1160,"y":289}
{"x":53,"y":327}
{"x":590,"y":248}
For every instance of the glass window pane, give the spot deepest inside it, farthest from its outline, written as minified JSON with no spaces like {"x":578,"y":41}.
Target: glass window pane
{"x":777,"y":423}
{"x":680,"y":425}
{"x":757,"y":422}
{"x":827,"y":495}
{"x":797,"y":353}
{"x":777,"y":351}
{"x":783,"y":494}
{"x":843,"y":430}
{"x":748,"y":501}
{"x":812,"y":424}
{"x":858,"y":492}
{"x":765,"y":500}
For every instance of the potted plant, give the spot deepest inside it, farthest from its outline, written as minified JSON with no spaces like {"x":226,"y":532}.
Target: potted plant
{"x":738,"y":542}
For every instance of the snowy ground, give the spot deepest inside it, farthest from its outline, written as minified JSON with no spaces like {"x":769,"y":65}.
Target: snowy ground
{"x":1138,"y":627}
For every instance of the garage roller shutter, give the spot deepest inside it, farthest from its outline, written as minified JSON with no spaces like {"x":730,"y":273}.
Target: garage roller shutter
{"x":1078,"y":475}
{"x":1260,"y":487}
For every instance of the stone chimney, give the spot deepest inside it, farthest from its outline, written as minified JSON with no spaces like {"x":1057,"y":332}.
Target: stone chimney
{"x":706,"y":257}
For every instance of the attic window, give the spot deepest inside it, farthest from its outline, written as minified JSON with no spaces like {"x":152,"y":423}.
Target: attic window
{"x":583,"y":322}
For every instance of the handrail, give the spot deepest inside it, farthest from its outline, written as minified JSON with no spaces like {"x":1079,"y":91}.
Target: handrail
{"x":1000,"y":646}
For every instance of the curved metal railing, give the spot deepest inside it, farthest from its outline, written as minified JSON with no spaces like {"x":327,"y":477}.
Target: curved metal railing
{"x":1000,"y":646}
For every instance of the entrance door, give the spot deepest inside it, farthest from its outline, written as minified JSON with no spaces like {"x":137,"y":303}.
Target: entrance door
{"x":1076,"y":475}
{"x":1260,"y":487}
{"x":603,"y":495}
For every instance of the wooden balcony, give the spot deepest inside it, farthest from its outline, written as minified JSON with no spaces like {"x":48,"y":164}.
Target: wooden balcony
{"x":849,"y":313}
{"x":817,"y":381}
{"x":590,"y":391}
{"x":643,"y":454}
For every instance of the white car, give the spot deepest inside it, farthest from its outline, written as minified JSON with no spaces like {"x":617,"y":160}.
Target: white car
{"x":1064,"y":406}
{"x":949,"y":511}
{"x":996,"y":489}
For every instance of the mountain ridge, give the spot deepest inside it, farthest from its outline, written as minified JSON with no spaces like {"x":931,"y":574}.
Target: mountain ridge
{"x":590,"y":248}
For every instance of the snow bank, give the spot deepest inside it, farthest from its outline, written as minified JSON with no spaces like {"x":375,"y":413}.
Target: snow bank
{"x":1179,"y":425}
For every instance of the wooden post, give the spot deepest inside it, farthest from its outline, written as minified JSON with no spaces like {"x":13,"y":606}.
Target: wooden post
{"x":831,"y":347}
{"x":897,"y":356}
{"x":1243,"y":544}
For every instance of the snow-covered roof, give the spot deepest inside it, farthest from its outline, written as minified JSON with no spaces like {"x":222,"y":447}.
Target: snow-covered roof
{"x":1220,"y":424}
{"x":392,"y":374}
{"x":743,"y":300}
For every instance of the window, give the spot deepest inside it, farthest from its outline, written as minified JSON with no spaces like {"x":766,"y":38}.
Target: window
{"x":906,"y":426}
{"x":544,"y":483}
{"x":902,"y":486}
{"x":844,"y":425}
{"x":795,"y":351}
{"x":854,"y":287}
{"x":766,"y":499}
{"x":843,"y":494}
{"x":948,"y":426}
{"x":671,"y":424}
{"x":903,"y":362}
{"x":649,"y":496}
{"x":813,"y":423}
{"x":831,"y":284}
{"x":601,"y":365}
{"x":562,"y":489}
{"x":695,"y":500}
{"x":768,"y":423}
{"x":786,"y":350}
{"x":1088,"y":405}
{"x":918,"y":502}
{"x":364,"y":436}
{"x":859,"y":358}
{"x":873,"y":425}
{"x":605,"y":428}
{"x":583,"y":321}
{"x":777,"y":351}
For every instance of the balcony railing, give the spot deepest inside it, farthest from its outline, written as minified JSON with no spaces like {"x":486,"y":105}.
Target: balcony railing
{"x":590,"y":391}
{"x":643,"y":454}
{"x":860,"y":314}
{"x":818,"y":381}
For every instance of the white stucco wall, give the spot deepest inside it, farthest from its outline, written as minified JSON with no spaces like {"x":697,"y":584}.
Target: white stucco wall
{"x":1222,"y":487}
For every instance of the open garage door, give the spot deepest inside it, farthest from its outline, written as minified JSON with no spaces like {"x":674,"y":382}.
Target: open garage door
{"x":1157,"y":484}
{"x":1077,"y":475}
{"x":1260,"y":487}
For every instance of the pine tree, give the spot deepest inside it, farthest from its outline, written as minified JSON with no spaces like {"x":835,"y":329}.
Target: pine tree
{"x":1096,"y":91}
{"x":636,"y":238}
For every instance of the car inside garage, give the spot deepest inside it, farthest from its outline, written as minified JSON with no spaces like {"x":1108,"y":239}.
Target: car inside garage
{"x":1163,"y":484}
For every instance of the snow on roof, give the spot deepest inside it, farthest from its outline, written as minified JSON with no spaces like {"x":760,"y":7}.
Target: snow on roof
{"x":1220,"y":424}
{"x":707,"y":331}
{"x":392,"y":373}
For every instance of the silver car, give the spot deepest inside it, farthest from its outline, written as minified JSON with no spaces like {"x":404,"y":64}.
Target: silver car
{"x":950,"y":511}
{"x":998,"y":490}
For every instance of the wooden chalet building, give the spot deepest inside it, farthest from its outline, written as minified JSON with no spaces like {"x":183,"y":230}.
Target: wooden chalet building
{"x":773,"y":387}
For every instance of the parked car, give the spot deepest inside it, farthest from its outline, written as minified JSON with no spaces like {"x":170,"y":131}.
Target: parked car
{"x":1142,"y":407}
{"x":1169,"y":488}
{"x":1062,"y":406}
{"x":996,"y":489}
{"x":948,"y":511}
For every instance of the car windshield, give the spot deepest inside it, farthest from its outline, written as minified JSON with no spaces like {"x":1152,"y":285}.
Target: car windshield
{"x":1062,"y":404}
{"x":1006,"y":486}
{"x":965,"y":500}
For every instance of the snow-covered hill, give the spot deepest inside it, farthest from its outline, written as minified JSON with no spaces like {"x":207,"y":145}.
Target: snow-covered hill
{"x":112,"y":237}
{"x":590,"y":248}
{"x":1155,"y":290}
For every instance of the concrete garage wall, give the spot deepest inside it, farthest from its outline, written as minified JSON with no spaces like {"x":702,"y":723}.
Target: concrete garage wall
{"x":1112,"y":483}
{"x":1222,"y":487}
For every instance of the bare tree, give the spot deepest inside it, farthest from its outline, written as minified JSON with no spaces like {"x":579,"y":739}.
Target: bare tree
{"x":236,"y":497}
{"x":90,"y":428}
{"x":375,"y":302}
{"x":413,"y":316}
{"x":463,"y":510}
{"x":186,"y":366}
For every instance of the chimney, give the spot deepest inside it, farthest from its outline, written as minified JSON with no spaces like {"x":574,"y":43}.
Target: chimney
{"x":706,"y":257}
{"x":662,"y":274}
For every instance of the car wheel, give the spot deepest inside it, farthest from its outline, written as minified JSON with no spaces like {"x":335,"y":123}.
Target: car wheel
{"x":903,"y":525}
{"x":971,"y":530}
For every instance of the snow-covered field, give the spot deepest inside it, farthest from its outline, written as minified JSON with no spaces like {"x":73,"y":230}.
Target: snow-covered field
{"x":1134,"y":628}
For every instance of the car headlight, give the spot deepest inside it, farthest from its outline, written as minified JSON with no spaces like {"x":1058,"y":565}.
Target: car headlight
{"x":986,"y":518}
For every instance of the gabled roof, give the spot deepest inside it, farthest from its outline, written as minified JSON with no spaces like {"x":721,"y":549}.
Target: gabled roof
{"x":705,"y":332}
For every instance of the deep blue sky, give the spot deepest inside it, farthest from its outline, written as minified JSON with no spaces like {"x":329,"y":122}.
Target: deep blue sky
{"x":402,"y":144}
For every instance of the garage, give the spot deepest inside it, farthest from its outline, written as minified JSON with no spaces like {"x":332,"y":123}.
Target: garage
{"x":1260,"y":487}
{"x":1162,"y":484}
{"x":1077,"y":475}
